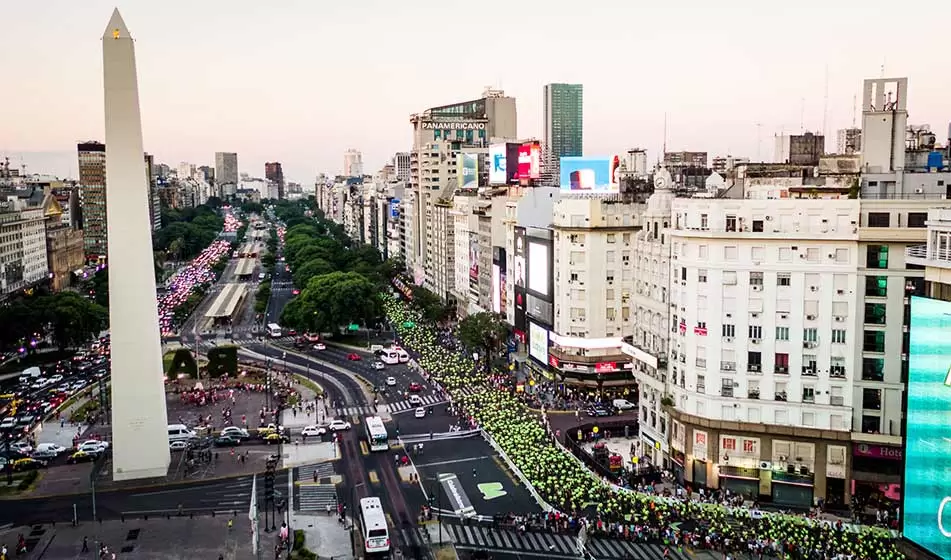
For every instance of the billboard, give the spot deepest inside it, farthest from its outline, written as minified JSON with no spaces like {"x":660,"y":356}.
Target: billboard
{"x":524,"y":161}
{"x":467,"y":170}
{"x":497,"y":175}
{"x":538,"y":342}
{"x":926,"y":486}
{"x":473,"y":258}
{"x":519,"y":280}
{"x":395,"y":208}
{"x":590,"y":174}
{"x":496,"y":289}
{"x":511,"y":156}
{"x":538,"y":267}
{"x":535,"y":171}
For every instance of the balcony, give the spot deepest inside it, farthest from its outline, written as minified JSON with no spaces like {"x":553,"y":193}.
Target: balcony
{"x":808,"y":371}
{"x":727,"y":366}
{"x":781,"y":370}
{"x":562,"y":355}
{"x":753,"y":395}
{"x":918,"y":255}
{"x":780,"y":396}
{"x":837,"y":372}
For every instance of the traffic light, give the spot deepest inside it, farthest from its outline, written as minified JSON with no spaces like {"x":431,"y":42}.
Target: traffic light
{"x":432,"y":500}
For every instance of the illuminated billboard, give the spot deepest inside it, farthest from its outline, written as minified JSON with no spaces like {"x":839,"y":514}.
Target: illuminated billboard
{"x":590,"y":174}
{"x":538,"y":342}
{"x":467,"y":170}
{"x":538,"y":267}
{"x":395,"y":208}
{"x":535,"y":171}
{"x":926,"y":488}
{"x":474,"y":258}
{"x":497,"y":174}
{"x":518,"y":292}
{"x":511,"y":157}
{"x":524,"y":161}
{"x":496,"y":289}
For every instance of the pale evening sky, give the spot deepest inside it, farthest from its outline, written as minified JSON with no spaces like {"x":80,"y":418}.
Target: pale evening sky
{"x":300,"y":81}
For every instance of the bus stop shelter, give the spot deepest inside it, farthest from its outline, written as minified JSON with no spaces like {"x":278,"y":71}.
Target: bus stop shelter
{"x":227,"y":305}
{"x":244,"y":269}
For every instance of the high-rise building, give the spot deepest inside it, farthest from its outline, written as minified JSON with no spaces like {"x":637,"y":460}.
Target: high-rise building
{"x":226,"y":173}
{"x":401,"y":162}
{"x":439,"y":135}
{"x":275,"y":173}
{"x":155,"y":202}
{"x":563,"y":118}
{"x":352,"y":163}
{"x":92,"y":181}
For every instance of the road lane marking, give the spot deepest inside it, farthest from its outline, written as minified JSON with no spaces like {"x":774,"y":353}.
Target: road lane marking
{"x":374,"y":478}
{"x":454,"y":461}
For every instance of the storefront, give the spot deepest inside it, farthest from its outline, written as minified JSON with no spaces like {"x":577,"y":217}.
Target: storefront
{"x":792,"y":489}
{"x":740,"y":480}
{"x":876,"y":474}
{"x":606,"y":380}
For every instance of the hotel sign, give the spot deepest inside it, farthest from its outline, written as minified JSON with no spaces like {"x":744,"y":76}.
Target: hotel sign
{"x":453,"y":125}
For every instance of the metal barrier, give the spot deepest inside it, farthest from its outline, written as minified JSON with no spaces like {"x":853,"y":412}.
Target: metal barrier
{"x":531,"y":489}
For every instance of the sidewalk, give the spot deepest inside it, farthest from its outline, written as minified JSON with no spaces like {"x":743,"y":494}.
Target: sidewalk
{"x":324,"y":535}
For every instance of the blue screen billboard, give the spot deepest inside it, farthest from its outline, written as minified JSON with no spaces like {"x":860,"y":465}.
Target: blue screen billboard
{"x":497,"y":175}
{"x":590,"y":174}
{"x":926,"y":488}
{"x":395,"y":208}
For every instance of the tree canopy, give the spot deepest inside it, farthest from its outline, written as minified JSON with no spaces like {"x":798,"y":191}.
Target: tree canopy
{"x":69,"y":318}
{"x":186,"y":232}
{"x":332,"y":300}
{"x":484,"y":331}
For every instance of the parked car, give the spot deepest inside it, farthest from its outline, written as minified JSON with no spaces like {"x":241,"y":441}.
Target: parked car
{"x":80,"y":457}
{"x":353,"y":357}
{"x":336,"y":425}
{"x":310,"y":431}
{"x":391,"y":381}
{"x":177,"y":445}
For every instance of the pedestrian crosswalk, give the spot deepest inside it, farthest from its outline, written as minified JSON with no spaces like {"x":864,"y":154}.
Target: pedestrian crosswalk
{"x":410,"y":537}
{"x":359,"y":411}
{"x":405,"y":405}
{"x":551,"y":545}
{"x":315,"y":498}
{"x":324,"y":469}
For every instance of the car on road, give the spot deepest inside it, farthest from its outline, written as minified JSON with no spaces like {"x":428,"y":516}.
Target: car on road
{"x":177,"y":445}
{"x":22,"y":447}
{"x":275,"y":438}
{"x":336,"y":425}
{"x":311,"y":431}
{"x":415,"y":400}
{"x":28,"y":464}
{"x":80,"y":457}
{"x":391,"y":381}
{"x":8,"y":423}
{"x":228,"y":441}
{"x":420,"y":412}
{"x":623,"y":404}
{"x":48,"y":451}
{"x":598,"y":411}
{"x":236,"y":432}
{"x":320,"y":346}
{"x":92,"y":447}
{"x":378,"y":366}
{"x":56,"y":379}
{"x":270,"y":428}
{"x":415,"y":387}
{"x":353,"y":357}
{"x":292,"y":332}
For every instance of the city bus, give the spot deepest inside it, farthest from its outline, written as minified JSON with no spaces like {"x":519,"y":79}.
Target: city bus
{"x":377,"y":438}
{"x":274,"y":330}
{"x":376,"y":537}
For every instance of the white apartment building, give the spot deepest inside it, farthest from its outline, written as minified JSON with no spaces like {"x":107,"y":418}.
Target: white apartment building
{"x":593,"y":287}
{"x":465,"y":225}
{"x":352,"y":163}
{"x":935,"y":255}
{"x":23,"y":257}
{"x":764,"y":324}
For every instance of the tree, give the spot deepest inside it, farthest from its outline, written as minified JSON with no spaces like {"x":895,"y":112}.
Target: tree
{"x":429,"y":305}
{"x":311,"y":269}
{"x":18,"y":321}
{"x":332,"y":300}
{"x":484,"y":331}
{"x":72,"y":318}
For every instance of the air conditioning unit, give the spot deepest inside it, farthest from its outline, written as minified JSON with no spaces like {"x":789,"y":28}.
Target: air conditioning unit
{"x":783,"y":316}
{"x":754,"y":341}
{"x":765,"y":465}
{"x":756,"y":287}
{"x":728,"y":339}
{"x":754,"y":367}
{"x":839,"y":318}
{"x":810,"y":317}
{"x":840,"y":292}
{"x":755,"y":315}
{"x":813,"y":288}
{"x":919,"y":191}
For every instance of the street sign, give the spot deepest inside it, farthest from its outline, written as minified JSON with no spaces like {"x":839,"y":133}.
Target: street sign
{"x":353,"y":327}
{"x":408,"y":324}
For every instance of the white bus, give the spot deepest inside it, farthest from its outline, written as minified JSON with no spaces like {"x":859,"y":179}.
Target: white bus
{"x":376,"y":537}
{"x":377,"y":438}
{"x":274,"y":330}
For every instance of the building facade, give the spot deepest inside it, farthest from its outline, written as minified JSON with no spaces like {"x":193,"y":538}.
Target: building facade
{"x":353,"y":163}
{"x":92,"y":182}
{"x":563,"y":121}
{"x":226,"y":173}
{"x":274,"y":172}
{"x":23,"y":262}
{"x":65,"y":251}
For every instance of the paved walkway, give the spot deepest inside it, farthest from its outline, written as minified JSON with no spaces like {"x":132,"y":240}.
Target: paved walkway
{"x":324,"y":535}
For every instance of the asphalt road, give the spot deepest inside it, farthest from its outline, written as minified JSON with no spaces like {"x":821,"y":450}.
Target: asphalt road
{"x":219,"y":496}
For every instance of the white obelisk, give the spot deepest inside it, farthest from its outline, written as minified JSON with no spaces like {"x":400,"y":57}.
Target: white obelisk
{"x":139,"y":423}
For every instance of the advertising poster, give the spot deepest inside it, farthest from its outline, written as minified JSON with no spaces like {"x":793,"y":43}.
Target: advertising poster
{"x":511,"y":157}
{"x":525,"y":161}
{"x":926,"y":509}
{"x":467,"y":170}
{"x":496,"y":291}
{"x":501,"y":291}
{"x":473,"y":258}
{"x":395,"y":208}
{"x":538,"y":268}
{"x":497,"y":174}
{"x":536,"y":166}
{"x":591,"y":174}
{"x":519,"y":280}
{"x":538,"y":342}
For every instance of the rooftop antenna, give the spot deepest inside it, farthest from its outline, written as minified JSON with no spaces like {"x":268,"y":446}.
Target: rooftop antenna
{"x":802,"y":114}
{"x":665,"y":134}
{"x":855,"y":101}
{"x":883,"y":67}
{"x":759,"y":143}
{"x":825,"y":103}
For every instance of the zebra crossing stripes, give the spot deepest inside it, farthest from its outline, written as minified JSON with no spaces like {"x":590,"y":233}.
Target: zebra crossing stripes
{"x":403,"y":406}
{"x":366,"y":410}
{"x":412,"y":537}
{"x":305,"y":473}
{"x":553,"y":545}
{"x":316,"y":498}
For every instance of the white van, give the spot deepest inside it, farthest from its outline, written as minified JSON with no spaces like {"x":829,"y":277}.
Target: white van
{"x":30,"y":374}
{"x":179,"y":432}
{"x":623,"y":404}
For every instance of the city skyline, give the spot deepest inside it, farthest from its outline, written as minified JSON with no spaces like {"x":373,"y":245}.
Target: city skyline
{"x":307,"y":120}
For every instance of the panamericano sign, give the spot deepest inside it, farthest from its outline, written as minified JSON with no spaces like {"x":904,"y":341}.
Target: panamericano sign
{"x":453,"y":125}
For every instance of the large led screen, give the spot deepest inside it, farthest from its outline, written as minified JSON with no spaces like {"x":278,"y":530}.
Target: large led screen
{"x":511,"y":162}
{"x":538,"y":342}
{"x":496,"y":289}
{"x":926,"y":508}
{"x":497,"y":174}
{"x":590,"y":174}
{"x":538,"y":268}
{"x":525,"y":161}
{"x":536,"y":165}
{"x":467,"y":170}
